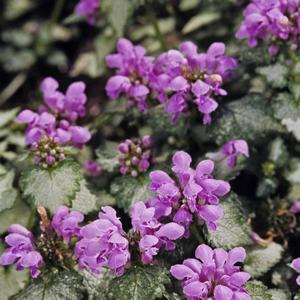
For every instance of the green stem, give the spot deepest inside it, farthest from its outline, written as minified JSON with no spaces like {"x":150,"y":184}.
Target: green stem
{"x":196,"y":234}
{"x":157,"y":30}
{"x":58,"y":7}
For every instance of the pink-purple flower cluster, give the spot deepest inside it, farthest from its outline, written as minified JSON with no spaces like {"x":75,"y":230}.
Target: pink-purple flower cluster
{"x":152,"y":233}
{"x":230,"y":152}
{"x":186,"y":76}
{"x":135,"y":156}
{"x":213,"y":274}
{"x":273,"y":21}
{"x":25,"y":250}
{"x":21,"y":251}
{"x":175,"y":79}
{"x":196,"y":193}
{"x":133,"y":72}
{"x":296,"y":266}
{"x":88,"y":9}
{"x":56,"y":118}
{"x":103,"y":243}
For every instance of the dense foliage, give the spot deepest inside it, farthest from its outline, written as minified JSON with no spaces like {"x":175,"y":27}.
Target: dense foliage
{"x":149,"y":149}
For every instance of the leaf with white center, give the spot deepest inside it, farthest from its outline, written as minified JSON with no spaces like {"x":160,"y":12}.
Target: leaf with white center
{"x":293,"y":127}
{"x":248,"y":118}
{"x":258,"y":291}
{"x":117,"y":13}
{"x":293,"y":177}
{"x":297,"y":296}
{"x":7,"y":116}
{"x":139,"y":283}
{"x":62,"y":286}
{"x":18,"y":213}
{"x":260,"y":260}
{"x":128,"y":190}
{"x":276,"y":75}
{"x":95,"y":284}
{"x":84,"y":201}
{"x":199,"y":21}
{"x":278,"y":294}
{"x":8,"y":194}
{"x":284,"y":106}
{"x":233,"y":229}
{"x":51,"y":188}
{"x":108,"y":156}
{"x":11,"y":281}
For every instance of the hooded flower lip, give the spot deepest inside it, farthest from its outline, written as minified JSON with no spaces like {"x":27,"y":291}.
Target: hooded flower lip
{"x":195,"y":193}
{"x":103,"y":243}
{"x":192,"y":77}
{"x":65,"y":223}
{"x":133,"y":72}
{"x":153,"y":234}
{"x":296,"y":266}
{"x":230,"y":152}
{"x":272,"y":21}
{"x":88,"y":9}
{"x":213,"y":274}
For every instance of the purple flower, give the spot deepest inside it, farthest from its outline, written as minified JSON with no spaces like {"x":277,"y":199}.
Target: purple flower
{"x":191,"y":77}
{"x":295,"y":207}
{"x":296,"y":266}
{"x":21,"y":251}
{"x":92,"y":168}
{"x":230,"y":152}
{"x":195,"y":193}
{"x":272,"y":21}
{"x":56,"y":120}
{"x":153,"y":234}
{"x":213,"y":274}
{"x":65,"y":223}
{"x":88,"y":9}
{"x":133,"y":71}
{"x":135,"y":156}
{"x":103,"y":243}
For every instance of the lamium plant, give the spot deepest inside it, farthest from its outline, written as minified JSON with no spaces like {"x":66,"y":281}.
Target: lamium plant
{"x":149,"y":150}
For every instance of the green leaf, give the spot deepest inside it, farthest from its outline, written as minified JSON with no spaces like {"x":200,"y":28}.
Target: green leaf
{"x":104,"y":198}
{"x":51,"y":188}
{"x":16,"y":8}
{"x":18,"y":213}
{"x":249,"y":118}
{"x":199,"y":21}
{"x":84,"y":201}
{"x":293,"y":177}
{"x":276,"y":75}
{"x":108,"y":156}
{"x":258,"y":291}
{"x":8,"y":194}
{"x":11,"y":281}
{"x":139,"y":283}
{"x":128,"y":190}
{"x":7,"y":116}
{"x":117,"y":14}
{"x":297,"y":296}
{"x":260,"y":260}
{"x":96,"y":284}
{"x":233,"y":229}
{"x":293,"y":127}
{"x":285,"y":107}
{"x":278,"y":294}
{"x":63,"y":286}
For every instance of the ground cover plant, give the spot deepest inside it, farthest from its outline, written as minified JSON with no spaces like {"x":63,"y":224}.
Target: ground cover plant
{"x":150,"y":149}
